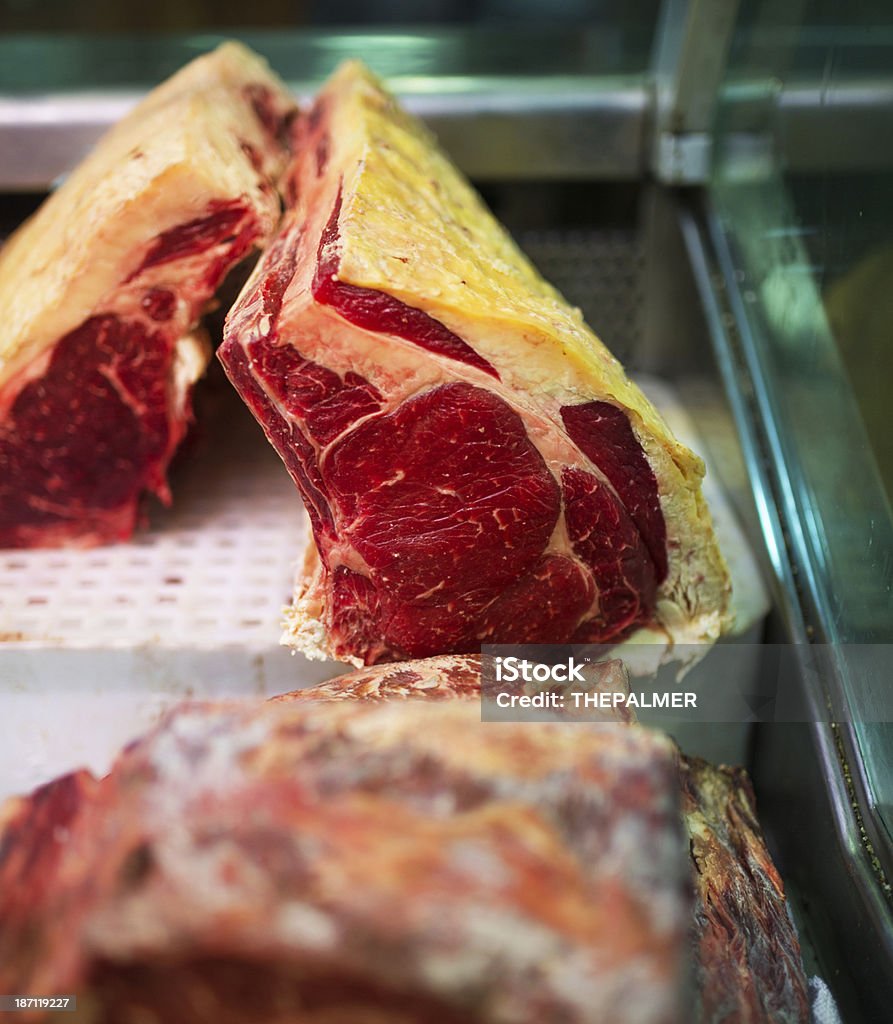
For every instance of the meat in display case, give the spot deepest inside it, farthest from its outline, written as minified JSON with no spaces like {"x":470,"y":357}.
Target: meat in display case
{"x":478,"y":470}
{"x":139,"y":239}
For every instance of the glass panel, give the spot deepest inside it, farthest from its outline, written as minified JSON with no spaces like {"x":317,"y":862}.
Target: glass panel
{"x":192,"y":15}
{"x":48,"y":63}
{"x":50,"y":45}
{"x":804,"y":193}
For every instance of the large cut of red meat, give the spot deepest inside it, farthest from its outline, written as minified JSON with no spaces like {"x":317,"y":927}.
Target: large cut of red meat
{"x":354,"y":863}
{"x":747,"y":961}
{"x":101,"y":294}
{"x":475,"y":464}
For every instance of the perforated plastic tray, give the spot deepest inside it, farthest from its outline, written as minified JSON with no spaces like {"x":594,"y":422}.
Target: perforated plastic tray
{"x":211,"y":572}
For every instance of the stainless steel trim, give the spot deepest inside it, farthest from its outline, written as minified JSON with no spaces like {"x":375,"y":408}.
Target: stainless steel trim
{"x":587,"y":128}
{"x":810,"y":124}
{"x":740,"y":394}
{"x":510,"y":129}
{"x":692,"y":42}
{"x":846,"y":126}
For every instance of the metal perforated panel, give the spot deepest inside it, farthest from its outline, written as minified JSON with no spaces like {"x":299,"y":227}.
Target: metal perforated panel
{"x":602,"y":272}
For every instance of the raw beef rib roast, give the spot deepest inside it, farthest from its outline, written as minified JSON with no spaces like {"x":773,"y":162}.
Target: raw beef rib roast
{"x":475,"y":464}
{"x":101,"y":292}
{"x":355,"y":863}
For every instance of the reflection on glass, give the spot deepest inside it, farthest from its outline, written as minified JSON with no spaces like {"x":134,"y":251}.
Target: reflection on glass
{"x":803,"y":190}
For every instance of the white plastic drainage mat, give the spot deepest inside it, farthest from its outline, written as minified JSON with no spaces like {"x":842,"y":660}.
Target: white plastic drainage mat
{"x":212,"y":572}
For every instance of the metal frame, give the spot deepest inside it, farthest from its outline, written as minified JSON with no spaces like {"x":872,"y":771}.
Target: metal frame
{"x":689,"y":63}
{"x":512,"y":129}
{"x":503,"y":109}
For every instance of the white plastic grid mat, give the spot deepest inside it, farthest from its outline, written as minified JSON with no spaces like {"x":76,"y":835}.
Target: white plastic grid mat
{"x":96,"y":644}
{"x":212,"y":572}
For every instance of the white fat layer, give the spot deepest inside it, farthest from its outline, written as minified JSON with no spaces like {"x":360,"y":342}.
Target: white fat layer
{"x":205,"y":753}
{"x":191,"y":356}
{"x":159,"y":167}
{"x":308,"y":927}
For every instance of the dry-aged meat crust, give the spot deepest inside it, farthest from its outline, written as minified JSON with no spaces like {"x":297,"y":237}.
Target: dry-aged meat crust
{"x":747,"y":954}
{"x":101,"y":292}
{"x":448,"y":677}
{"x":458,"y":677}
{"x":475,"y":464}
{"x":312,"y":862}
{"x":748,"y":964}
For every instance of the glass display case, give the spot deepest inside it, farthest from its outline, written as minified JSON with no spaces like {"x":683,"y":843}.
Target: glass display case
{"x":712,"y":183}
{"x":798,"y":213}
